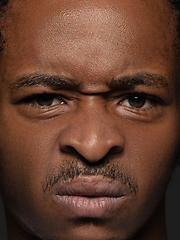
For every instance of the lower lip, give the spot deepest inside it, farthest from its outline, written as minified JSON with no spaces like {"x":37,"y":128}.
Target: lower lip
{"x":94,"y":207}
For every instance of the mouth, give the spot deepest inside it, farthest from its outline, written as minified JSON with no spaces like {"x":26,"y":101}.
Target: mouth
{"x":93,"y":197}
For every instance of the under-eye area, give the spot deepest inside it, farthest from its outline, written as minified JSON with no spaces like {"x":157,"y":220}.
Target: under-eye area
{"x":140,"y":106}
{"x":43,"y":105}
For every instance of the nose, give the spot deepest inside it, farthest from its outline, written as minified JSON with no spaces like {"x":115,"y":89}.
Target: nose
{"x":92,"y":134}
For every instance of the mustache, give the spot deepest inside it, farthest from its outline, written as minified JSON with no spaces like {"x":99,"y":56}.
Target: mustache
{"x":73,"y":169}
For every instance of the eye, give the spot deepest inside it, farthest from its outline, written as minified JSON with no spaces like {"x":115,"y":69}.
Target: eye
{"x":137,"y":102}
{"x":46,"y":100}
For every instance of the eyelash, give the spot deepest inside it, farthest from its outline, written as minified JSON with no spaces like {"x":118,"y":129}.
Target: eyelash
{"x":32,"y":99}
{"x":153,"y":101}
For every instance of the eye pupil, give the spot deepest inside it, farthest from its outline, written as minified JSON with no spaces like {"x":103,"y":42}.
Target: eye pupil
{"x":44,"y":100}
{"x":137,"y":101}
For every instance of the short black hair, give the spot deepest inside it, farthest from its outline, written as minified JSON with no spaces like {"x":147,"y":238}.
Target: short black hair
{"x":175,"y":3}
{"x":3,"y":5}
{"x":176,"y":6}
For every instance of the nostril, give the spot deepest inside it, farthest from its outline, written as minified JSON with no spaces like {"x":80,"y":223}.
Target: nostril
{"x":72,"y":151}
{"x":69,"y":149}
{"x":91,"y":146}
{"x":114,"y":150}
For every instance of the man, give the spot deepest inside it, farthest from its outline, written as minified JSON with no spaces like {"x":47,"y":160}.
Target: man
{"x":90,"y":117}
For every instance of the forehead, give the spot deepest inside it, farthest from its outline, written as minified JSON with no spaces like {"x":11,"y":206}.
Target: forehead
{"x":93,"y":36}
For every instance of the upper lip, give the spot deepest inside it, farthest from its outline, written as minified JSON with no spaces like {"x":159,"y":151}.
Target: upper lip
{"x":91,"y":186}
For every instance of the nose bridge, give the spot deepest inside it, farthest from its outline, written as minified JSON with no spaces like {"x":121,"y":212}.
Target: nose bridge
{"x":92,"y":133}
{"x":93,"y":125}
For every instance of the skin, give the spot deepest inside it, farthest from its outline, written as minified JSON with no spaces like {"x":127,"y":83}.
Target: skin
{"x":93,"y":122}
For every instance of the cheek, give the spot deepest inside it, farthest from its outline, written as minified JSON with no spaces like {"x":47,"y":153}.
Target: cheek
{"x":153,"y":151}
{"x":25,"y":153}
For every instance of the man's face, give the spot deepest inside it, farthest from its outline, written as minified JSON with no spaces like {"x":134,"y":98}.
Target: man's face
{"x":89,"y":123}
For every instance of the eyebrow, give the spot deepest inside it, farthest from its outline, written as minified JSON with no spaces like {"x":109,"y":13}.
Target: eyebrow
{"x":144,"y":78}
{"x":125,"y":82}
{"x":42,"y":79}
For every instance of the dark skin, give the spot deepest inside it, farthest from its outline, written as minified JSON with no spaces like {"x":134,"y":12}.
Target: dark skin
{"x":89,"y":101}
